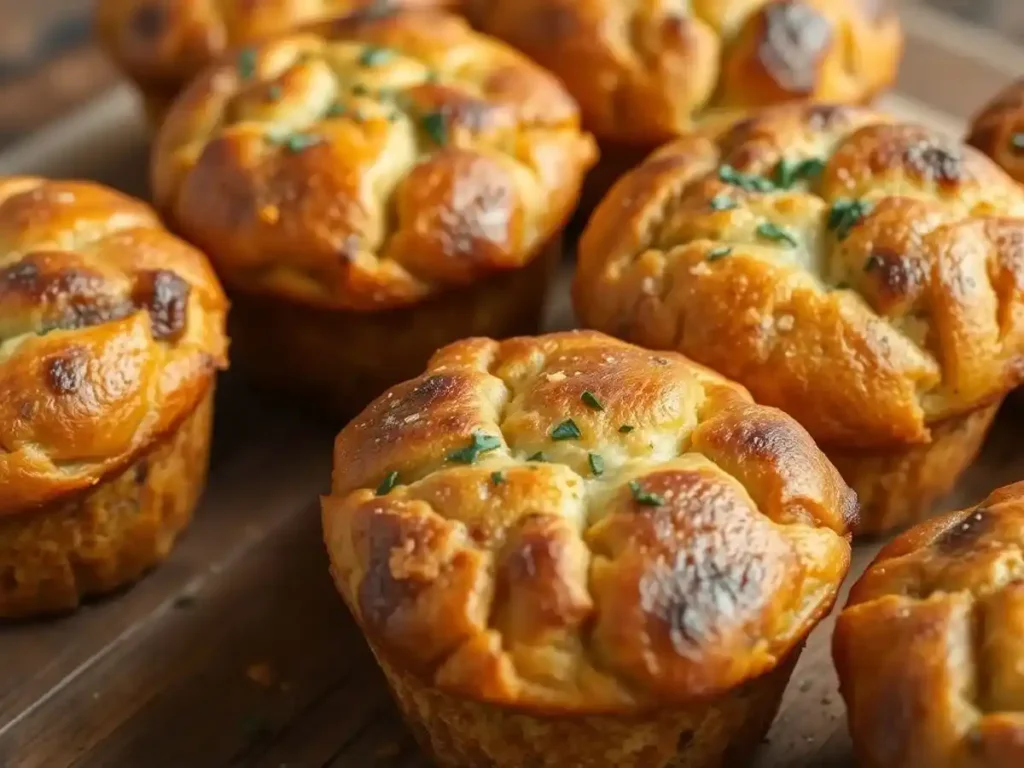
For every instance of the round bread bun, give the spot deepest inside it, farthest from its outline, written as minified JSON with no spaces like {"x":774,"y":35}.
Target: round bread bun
{"x":566,"y":550}
{"x":998,"y":130}
{"x":863,"y":274}
{"x":162,"y":44}
{"x":930,"y":647}
{"x":111,"y":332}
{"x":370,"y":191}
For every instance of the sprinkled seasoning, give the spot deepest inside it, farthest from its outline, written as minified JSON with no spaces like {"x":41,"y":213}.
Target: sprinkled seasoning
{"x":567,"y":430}
{"x":626,"y":429}
{"x":722,"y":203}
{"x":373,"y":56}
{"x":789,"y":172}
{"x":646,"y":498}
{"x":590,"y":400}
{"x":775,"y":233}
{"x":436,"y":127}
{"x":498,"y":477}
{"x":596,"y":462}
{"x":719,"y":253}
{"x":845,"y":214}
{"x":387,"y":484}
{"x":749,"y":181}
{"x":246,"y":63}
{"x":479,"y":443}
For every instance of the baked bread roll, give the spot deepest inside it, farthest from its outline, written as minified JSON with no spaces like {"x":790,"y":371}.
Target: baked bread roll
{"x":998,"y":130}
{"x":369,"y":192}
{"x":930,"y":648}
{"x":863,"y":274}
{"x":111,"y":331}
{"x":569,"y":551}
{"x":644,"y":72}
{"x":162,"y":44}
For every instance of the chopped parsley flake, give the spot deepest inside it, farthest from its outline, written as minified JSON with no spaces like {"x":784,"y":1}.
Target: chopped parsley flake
{"x":360,"y":90}
{"x":640,"y":496}
{"x":626,"y":429}
{"x":436,"y":127}
{"x":247,"y":63}
{"x":387,"y":484}
{"x":336,"y":110}
{"x":845,"y":214}
{"x":498,"y":477}
{"x":274,"y":92}
{"x":590,"y":400}
{"x":372,"y":56}
{"x":719,"y":253}
{"x":789,"y":172}
{"x":479,"y":443}
{"x":749,"y":181}
{"x":722,"y":203}
{"x":567,"y":430}
{"x":596,"y":462}
{"x":775,"y":233}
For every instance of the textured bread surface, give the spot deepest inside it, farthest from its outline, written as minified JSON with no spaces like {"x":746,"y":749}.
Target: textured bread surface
{"x":163,"y":44}
{"x":930,"y":647}
{"x":111,"y":330}
{"x":863,"y":274}
{"x":644,"y":72}
{"x":998,"y":130}
{"x":571,"y":525}
{"x":371,"y":163}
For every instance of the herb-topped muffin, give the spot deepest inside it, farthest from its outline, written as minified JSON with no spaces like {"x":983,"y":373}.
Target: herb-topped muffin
{"x":570,"y":551}
{"x":111,"y":332}
{"x":370,"y":191}
{"x":998,"y":130}
{"x":645,"y":73}
{"x":863,"y":274}
{"x":162,"y":44}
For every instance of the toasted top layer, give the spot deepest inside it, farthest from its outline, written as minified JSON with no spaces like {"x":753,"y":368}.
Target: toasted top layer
{"x":998,"y":130}
{"x":862,"y":274}
{"x":643,"y":71}
{"x":162,"y":44}
{"x":372,"y":163}
{"x":110,"y":331}
{"x":930,"y":647}
{"x":571,"y":523}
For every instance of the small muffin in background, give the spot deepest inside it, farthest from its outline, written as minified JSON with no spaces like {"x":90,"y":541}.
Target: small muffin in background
{"x":162,"y":44}
{"x":647,"y":72}
{"x":930,"y":647}
{"x":566,"y":550}
{"x":111,"y":333}
{"x":998,"y":130}
{"x":369,"y":192}
{"x":863,"y":274}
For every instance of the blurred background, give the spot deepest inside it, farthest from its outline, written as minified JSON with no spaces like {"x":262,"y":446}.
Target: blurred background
{"x":49,"y":64}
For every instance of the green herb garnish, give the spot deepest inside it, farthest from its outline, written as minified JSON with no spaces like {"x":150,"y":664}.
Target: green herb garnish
{"x":387,"y":484}
{"x":640,"y":496}
{"x":722,"y":203}
{"x":498,"y":477}
{"x":479,"y":443}
{"x":626,"y":429}
{"x":775,"y":233}
{"x":842,"y":285}
{"x":336,"y":110}
{"x":538,"y":456}
{"x":845,"y":214}
{"x":789,"y":172}
{"x":596,"y":462}
{"x":436,"y":126}
{"x":360,"y":90}
{"x":274,"y":92}
{"x":567,"y":430}
{"x":590,"y":400}
{"x":749,"y":181}
{"x":297,"y":142}
{"x":372,"y":56}
{"x":247,"y":63}
{"x":719,"y":253}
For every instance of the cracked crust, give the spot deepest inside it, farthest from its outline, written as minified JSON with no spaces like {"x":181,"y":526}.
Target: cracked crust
{"x":930,"y":646}
{"x":371,"y":163}
{"x":571,"y":525}
{"x":642,"y":72}
{"x":998,"y":130}
{"x":163,"y":44}
{"x":864,"y":275}
{"x":111,"y":331}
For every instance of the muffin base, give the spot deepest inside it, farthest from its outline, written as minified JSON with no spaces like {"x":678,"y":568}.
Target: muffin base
{"x":53,"y":557}
{"x":338,"y":361}
{"x":899,"y":488}
{"x":720,"y":733}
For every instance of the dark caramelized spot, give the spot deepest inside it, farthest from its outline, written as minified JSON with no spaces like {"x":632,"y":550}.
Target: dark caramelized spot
{"x":22,"y":276}
{"x":795,"y":37}
{"x":941,"y":164}
{"x":965,"y":535}
{"x":165,"y":296}
{"x":893,"y":275}
{"x":66,"y":373}
{"x":141,"y":471}
{"x":149,"y":20}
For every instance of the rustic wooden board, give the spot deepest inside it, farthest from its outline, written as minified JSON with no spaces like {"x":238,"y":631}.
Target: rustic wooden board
{"x":237,"y":652}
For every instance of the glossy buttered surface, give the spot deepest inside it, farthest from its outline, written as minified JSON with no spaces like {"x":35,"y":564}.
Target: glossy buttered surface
{"x":372,"y":162}
{"x":110,"y":332}
{"x":572,"y":523}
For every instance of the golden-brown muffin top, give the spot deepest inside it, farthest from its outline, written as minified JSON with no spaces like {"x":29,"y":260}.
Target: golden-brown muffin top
{"x":572,"y":523}
{"x":110,"y":331}
{"x":998,"y":130}
{"x":643,"y":71}
{"x":930,"y":647}
{"x":372,"y":163}
{"x":864,"y":275}
{"x":162,"y":44}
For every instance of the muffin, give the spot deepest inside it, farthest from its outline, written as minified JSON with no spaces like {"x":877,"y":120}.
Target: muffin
{"x":644,"y":72}
{"x":569,"y":551}
{"x":930,"y":648}
{"x":111,"y":332}
{"x":863,"y":274}
{"x":162,"y":44}
{"x":369,"y":192}
{"x":998,"y":130}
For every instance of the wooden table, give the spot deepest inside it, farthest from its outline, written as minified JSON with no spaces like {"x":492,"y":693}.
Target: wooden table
{"x":238,"y":652}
